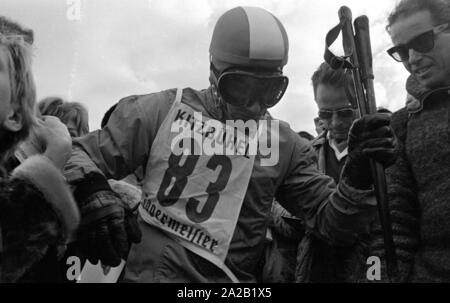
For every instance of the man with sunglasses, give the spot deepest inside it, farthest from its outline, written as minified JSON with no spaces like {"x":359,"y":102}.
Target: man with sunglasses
{"x":337,"y":114}
{"x":418,"y":183}
{"x":204,"y":216}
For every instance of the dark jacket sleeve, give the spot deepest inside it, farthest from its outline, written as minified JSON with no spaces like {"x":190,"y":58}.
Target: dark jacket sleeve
{"x":124,"y":143}
{"x":404,"y":208}
{"x":336,"y":214}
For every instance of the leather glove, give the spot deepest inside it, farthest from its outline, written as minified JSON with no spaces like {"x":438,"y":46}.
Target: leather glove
{"x":371,"y":137}
{"x":108,"y":227}
{"x":131,"y":225}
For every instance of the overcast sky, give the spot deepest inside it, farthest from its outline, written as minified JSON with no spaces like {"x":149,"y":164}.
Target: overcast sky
{"x":119,"y":48}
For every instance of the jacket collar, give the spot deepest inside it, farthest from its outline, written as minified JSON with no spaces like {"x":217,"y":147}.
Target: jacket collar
{"x":417,"y":105}
{"x":319,"y":140}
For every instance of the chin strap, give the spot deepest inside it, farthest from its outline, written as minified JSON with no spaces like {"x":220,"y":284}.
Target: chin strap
{"x":217,"y":104}
{"x":215,"y":72}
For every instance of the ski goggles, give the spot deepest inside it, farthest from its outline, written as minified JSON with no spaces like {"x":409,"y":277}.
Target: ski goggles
{"x":422,"y":43}
{"x":239,"y":88}
{"x":344,"y":113}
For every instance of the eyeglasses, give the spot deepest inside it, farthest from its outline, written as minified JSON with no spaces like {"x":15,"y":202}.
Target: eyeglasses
{"x":326,"y":114}
{"x":238,"y":87}
{"x":422,"y":43}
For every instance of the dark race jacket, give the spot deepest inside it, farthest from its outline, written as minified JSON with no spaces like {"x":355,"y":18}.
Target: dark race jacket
{"x":334,"y":214}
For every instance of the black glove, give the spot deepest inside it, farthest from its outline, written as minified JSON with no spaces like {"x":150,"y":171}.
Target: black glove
{"x":108,"y":226}
{"x":131,"y":225}
{"x":371,"y":137}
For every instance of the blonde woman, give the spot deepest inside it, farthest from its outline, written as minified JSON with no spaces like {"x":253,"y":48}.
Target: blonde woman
{"x":37,"y":211}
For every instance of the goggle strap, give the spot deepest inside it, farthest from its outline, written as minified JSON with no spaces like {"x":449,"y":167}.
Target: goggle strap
{"x":215,"y":71}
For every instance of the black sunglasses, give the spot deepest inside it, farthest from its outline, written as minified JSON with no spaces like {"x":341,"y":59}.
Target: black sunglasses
{"x":326,"y":114}
{"x":422,"y":43}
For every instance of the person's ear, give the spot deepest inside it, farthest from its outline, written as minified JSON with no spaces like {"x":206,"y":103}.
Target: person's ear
{"x":13,"y":121}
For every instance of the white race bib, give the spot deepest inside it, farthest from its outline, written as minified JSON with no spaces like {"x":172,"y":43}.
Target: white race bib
{"x":196,"y":197}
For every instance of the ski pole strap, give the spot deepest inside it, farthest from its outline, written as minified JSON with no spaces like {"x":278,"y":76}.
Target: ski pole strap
{"x":334,"y":61}
{"x":337,"y":62}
